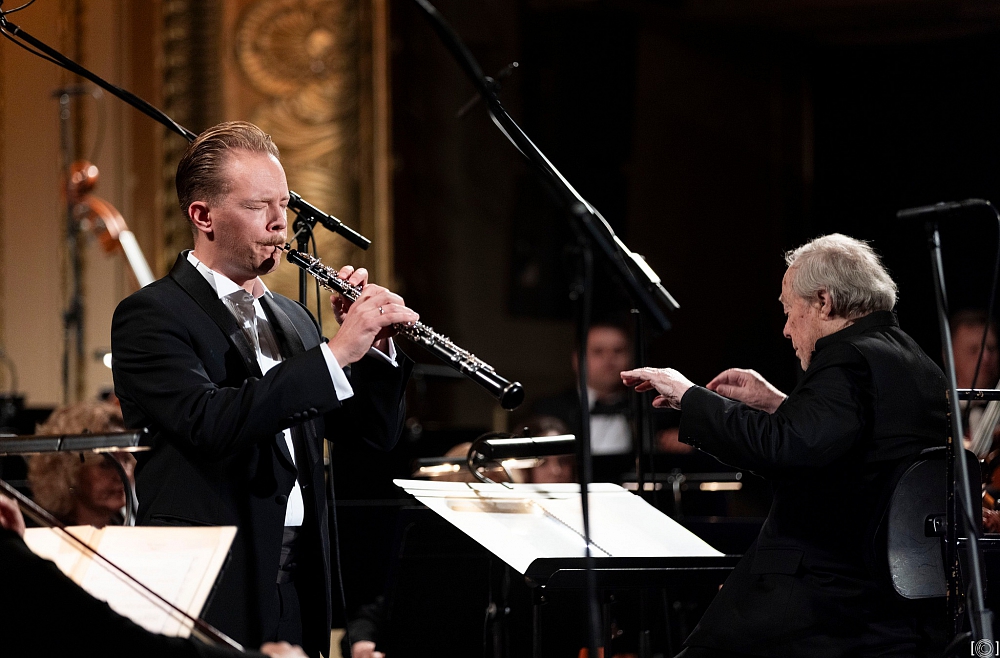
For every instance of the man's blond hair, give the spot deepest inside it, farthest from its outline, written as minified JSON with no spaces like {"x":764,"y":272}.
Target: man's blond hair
{"x":199,"y":173}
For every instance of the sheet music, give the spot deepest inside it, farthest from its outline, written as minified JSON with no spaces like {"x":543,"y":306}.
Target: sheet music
{"x":179,"y":564}
{"x":51,"y":546}
{"x":547,"y":521}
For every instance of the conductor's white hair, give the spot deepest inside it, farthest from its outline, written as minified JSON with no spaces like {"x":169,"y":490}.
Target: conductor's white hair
{"x":848,"y":269}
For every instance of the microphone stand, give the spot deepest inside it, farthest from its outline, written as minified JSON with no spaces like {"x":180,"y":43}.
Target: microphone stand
{"x":980,"y":618}
{"x":73,"y":316}
{"x":593,"y":232}
{"x":645,"y":448}
{"x":305,"y":210}
{"x":583,"y":291}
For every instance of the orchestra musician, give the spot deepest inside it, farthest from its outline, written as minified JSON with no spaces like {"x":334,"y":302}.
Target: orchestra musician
{"x":608,"y":352}
{"x":870,"y":400}
{"x":238,"y":390}
{"x":81,"y":488}
{"x":38,"y":599}
{"x":976,"y":362}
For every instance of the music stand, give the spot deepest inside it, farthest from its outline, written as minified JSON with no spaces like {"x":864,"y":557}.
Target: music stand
{"x":537,"y":529}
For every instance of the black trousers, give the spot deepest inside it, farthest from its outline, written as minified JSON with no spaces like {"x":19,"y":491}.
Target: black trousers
{"x":289,"y":627}
{"x":287,"y":592}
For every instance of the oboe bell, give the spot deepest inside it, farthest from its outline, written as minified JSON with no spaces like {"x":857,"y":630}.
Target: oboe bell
{"x":509,"y":394}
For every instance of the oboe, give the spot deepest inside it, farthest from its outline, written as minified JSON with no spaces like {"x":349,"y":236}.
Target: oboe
{"x":510,"y":394}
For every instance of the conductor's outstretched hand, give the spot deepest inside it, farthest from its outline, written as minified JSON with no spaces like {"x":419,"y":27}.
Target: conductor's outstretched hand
{"x":667,"y":382}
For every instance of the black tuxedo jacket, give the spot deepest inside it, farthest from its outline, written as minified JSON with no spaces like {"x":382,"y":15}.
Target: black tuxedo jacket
{"x":184,"y":369}
{"x":869,"y":400}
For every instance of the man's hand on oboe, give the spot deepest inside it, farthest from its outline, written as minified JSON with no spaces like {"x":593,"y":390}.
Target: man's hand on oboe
{"x":367,"y":322}
{"x":355,"y":277}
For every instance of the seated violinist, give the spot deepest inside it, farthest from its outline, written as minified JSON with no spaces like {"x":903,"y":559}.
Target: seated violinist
{"x":39,"y":599}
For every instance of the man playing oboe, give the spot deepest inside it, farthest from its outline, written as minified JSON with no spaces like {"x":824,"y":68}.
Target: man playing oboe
{"x":238,"y":390}
{"x":870,"y":401}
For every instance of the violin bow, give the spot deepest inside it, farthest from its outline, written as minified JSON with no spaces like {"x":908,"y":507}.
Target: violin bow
{"x":199,"y":628}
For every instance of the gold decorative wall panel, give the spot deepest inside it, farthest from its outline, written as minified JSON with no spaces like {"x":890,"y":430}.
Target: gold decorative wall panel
{"x":192,"y":91}
{"x":301,"y":71}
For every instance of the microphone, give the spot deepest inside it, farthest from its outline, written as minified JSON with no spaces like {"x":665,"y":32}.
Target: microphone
{"x":312,"y":214}
{"x":940,"y":208}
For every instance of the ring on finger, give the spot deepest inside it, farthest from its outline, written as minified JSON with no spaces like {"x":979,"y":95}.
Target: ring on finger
{"x":381,"y":311}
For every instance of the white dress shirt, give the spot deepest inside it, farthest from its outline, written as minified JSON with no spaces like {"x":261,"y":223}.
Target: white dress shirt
{"x":609,"y":435}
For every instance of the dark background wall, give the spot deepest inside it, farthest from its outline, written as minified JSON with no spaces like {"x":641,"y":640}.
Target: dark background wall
{"x":713,"y":136}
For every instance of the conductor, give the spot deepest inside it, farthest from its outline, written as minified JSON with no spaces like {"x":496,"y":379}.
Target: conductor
{"x":870,"y":400}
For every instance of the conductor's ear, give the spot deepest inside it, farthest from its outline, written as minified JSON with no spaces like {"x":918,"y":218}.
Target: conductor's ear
{"x":825,"y":302}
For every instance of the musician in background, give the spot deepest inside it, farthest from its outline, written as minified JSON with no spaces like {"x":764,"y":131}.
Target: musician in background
{"x":85,"y":488}
{"x":609,"y":351}
{"x":966,"y":341}
{"x":869,"y":401}
{"x":556,"y":468}
{"x":86,"y":626}
{"x":238,"y":390}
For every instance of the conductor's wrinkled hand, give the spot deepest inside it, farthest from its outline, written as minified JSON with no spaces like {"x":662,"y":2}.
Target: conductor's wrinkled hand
{"x":367,"y":322}
{"x":667,"y":382}
{"x":748,"y":387}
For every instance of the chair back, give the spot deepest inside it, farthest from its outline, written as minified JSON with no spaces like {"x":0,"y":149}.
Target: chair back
{"x":913,"y":523}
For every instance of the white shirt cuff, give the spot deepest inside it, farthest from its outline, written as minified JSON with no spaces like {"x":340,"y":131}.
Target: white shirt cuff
{"x":340,"y":383}
{"x":389,"y":358}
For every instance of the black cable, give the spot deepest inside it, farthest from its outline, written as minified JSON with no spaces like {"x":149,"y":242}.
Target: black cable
{"x":990,"y":304}
{"x":17,"y":9}
{"x":36,"y":53}
{"x":102,"y":119}
{"x":584,"y":455}
{"x":334,"y":524}
{"x":490,"y":608}
{"x":967,"y":412}
{"x":16,"y":34}
{"x":335,"y":541}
